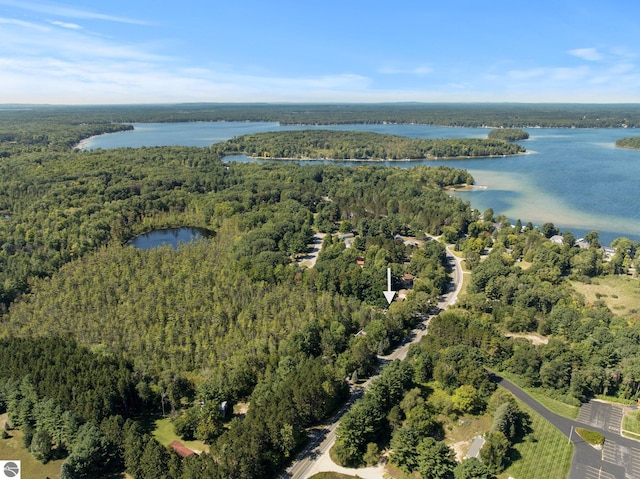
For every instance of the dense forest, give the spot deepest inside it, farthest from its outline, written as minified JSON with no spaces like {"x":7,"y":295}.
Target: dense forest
{"x":361,"y":145}
{"x":228,"y":319}
{"x":631,"y":142}
{"x":97,"y":336}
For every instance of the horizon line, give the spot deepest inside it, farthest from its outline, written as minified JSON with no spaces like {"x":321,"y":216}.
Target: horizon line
{"x":363,"y":103}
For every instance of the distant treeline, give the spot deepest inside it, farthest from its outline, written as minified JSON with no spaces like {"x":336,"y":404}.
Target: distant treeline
{"x":361,"y":145}
{"x":508,"y":134}
{"x":34,"y":123}
{"x":631,"y":142}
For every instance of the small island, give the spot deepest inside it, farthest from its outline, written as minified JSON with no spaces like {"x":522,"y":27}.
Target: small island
{"x":361,"y":145}
{"x":632,"y":143}
{"x":508,"y":134}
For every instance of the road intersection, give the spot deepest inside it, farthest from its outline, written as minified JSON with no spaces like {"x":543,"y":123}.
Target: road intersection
{"x":618,"y":459}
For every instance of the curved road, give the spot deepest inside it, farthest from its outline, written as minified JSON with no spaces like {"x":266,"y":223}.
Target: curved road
{"x":619,"y":459}
{"x":321,"y":441}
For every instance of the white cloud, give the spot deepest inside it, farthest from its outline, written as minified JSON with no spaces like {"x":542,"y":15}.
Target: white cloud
{"x":70,"y":65}
{"x":58,"y":61}
{"x":624,"y":52}
{"x":568,"y":74}
{"x":589,"y":54}
{"x":71,"y":26}
{"x":528,"y":74}
{"x":419,"y":70}
{"x":65,"y":43}
{"x":102,"y":79}
{"x":69,"y":12}
{"x":618,"y":75}
{"x":460,"y":86}
{"x":622,"y":68}
{"x":23,"y":24}
{"x":556,"y":74}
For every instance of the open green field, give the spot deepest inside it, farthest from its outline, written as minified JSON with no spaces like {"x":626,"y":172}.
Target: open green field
{"x":621,"y":294}
{"x":545,"y":453}
{"x":165,"y":435}
{"x":553,"y":405}
{"x":12,"y":449}
{"x":459,"y":434}
{"x":466,"y":279}
{"x":631,"y":425}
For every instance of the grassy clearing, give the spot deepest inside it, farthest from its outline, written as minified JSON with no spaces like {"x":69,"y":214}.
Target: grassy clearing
{"x":631,"y":425}
{"x":620,"y":293}
{"x":545,"y":453}
{"x":533,"y":338}
{"x":466,"y":279}
{"x":466,"y":428}
{"x":466,"y":273}
{"x":558,"y":407}
{"x":553,"y":405}
{"x":12,"y":449}
{"x":165,"y":435}
{"x":615,"y":400}
{"x":524,"y":265}
{"x":459,"y":434}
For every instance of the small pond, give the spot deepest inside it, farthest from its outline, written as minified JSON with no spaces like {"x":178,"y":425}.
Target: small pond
{"x":172,"y":237}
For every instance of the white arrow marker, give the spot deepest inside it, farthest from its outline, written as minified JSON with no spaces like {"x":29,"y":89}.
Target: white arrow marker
{"x":388,"y":293}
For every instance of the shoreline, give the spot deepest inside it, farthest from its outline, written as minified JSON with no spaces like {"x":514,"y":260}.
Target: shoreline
{"x":82,"y":144}
{"x":466,"y":187}
{"x":374,"y":160}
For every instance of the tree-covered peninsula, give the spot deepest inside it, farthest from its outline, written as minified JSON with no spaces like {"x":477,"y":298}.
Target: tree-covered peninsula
{"x":508,"y":134}
{"x":361,"y":145}
{"x":632,"y":143}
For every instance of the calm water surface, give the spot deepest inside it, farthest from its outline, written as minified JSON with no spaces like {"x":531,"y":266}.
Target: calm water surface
{"x":172,"y":237}
{"x":574,"y":178}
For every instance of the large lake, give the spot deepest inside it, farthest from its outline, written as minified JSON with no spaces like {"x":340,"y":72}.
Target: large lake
{"x":574,"y":178}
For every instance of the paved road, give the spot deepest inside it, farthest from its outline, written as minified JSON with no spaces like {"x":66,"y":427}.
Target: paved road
{"x":620,"y":457}
{"x":321,"y":441}
{"x":309,"y":260}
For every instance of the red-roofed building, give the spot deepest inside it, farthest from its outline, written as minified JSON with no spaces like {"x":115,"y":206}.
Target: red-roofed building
{"x":181,"y":450}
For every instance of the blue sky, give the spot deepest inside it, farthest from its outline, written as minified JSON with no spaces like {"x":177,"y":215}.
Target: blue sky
{"x":138,"y":51}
